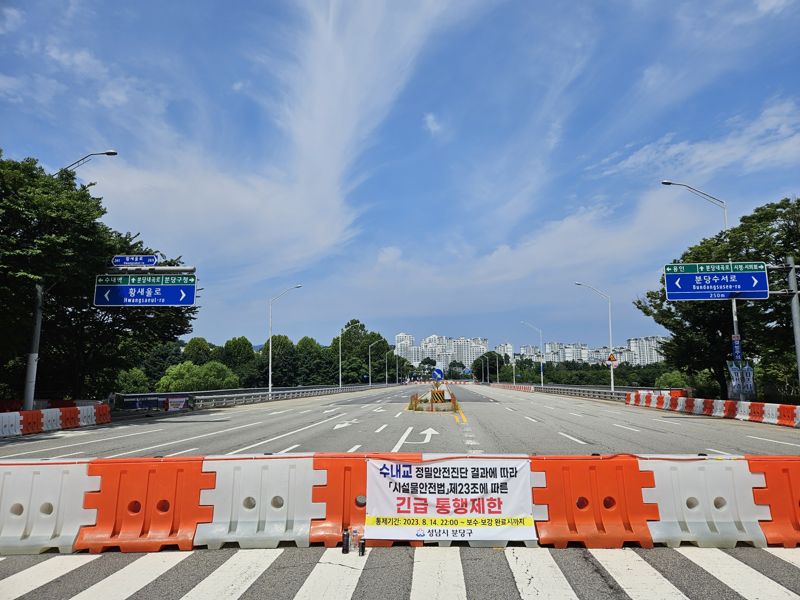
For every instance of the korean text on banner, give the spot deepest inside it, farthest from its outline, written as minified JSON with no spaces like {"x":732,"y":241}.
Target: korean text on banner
{"x":456,"y":499}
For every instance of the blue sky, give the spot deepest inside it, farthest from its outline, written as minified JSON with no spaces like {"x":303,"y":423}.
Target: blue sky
{"x":428,"y":167}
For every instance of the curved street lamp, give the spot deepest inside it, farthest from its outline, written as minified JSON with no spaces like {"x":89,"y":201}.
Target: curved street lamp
{"x":87,"y":158}
{"x":294,"y":287}
{"x":369,"y":351}
{"x":610,"y":342}
{"x":541,"y":351}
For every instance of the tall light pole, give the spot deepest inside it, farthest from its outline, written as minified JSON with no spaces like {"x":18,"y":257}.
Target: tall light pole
{"x":341,"y":334}
{"x":724,"y":206}
{"x":386,"y":367}
{"x":369,"y":351}
{"x":610,"y":338}
{"x":486,"y":358}
{"x":33,"y":356}
{"x":397,"y":369}
{"x":541,"y":352}
{"x":294,"y":287}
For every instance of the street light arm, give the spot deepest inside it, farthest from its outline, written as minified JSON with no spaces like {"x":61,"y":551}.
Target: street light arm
{"x":531,"y":326}
{"x":704,"y":195}
{"x":591,"y":287}
{"x":294,"y":287}
{"x":87,"y":158}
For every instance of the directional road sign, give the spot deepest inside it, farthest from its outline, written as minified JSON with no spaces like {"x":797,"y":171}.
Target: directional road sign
{"x":145,"y":290}
{"x":437,"y":374}
{"x":135,"y":260}
{"x":716,"y":281}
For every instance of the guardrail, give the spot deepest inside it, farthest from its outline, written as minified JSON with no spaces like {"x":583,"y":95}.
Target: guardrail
{"x":208,"y":399}
{"x":579,"y":392}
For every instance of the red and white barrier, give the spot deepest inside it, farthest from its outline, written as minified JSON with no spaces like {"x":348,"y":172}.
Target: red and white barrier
{"x":52,"y":419}
{"x":787,"y":415}
{"x":257,"y":501}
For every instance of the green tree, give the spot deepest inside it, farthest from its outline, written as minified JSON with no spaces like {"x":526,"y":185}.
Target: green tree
{"x":189,"y":377}
{"x":672,"y":379}
{"x":701,"y":331}
{"x":197,"y":350}
{"x":51,"y":234}
{"x":132,"y":381}
{"x":311,"y":363}
{"x":284,"y":363}
{"x":455,"y":370}
{"x":239,"y":356}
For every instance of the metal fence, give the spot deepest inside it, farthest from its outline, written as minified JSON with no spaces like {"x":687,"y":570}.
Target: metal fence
{"x":579,"y":392}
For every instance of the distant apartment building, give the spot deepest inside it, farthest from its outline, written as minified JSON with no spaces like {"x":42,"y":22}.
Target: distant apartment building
{"x":404,"y":338}
{"x":503,"y":349}
{"x":646,"y":350}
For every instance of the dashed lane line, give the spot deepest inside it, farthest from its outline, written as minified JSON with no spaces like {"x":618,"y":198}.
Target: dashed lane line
{"x":179,"y":453}
{"x":381,"y":428}
{"x":626,"y":427}
{"x":288,"y":433}
{"x":774,"y":441}
{"x":569,"y":437}
{"x":719,"y":451}
{"x":289,"y":449}
{"x":354,"y":448}
{"x":108,"y":439}
{"x":532,"y":420}
{"x":402,"y":439}
{"x":174,"y":442}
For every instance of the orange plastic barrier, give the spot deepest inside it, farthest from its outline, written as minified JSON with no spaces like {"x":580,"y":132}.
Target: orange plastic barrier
{"x":786,"y":414}
{"x":677,"y":393}
{"x":689,"y":406}
{"x":708,"y":407}
{"x":757,"y":411}
{"x":782,"y":495}
{"x":659,"y":401}
{"x":594,"y":501}
{"x":102,"y":413}
{"x":730,"y":409}
{"x":673,"y":403}
{"x":146,"y":504}
{"x":70,"y":417}
{"x":345,"y":496}
{"x":32,"y":421}
{"x":627,"y":398}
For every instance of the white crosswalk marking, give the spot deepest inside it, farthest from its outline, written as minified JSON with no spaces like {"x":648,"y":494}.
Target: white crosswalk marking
{"x":635,"y":575}
{"x":130,"y":579}
{"x":232,"y":578}
{"x":437,"y":575}
{"x":36,"y":576}
{"x":790,"y":555}
{"x":735,"y":574}
{"x":537,"y":575}
{"x":335,"y":577}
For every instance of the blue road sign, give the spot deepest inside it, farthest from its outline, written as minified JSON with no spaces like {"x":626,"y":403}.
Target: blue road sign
{"x":467,"y":371}
{"x":437,"y":374}
{"x":716,"y":281}
{"x":145,"y":290}
{"x":736,"y":349}
{"x":135,"y":260}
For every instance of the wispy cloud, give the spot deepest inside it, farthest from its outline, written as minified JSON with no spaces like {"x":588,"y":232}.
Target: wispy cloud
{"x":770,"y":140}
{"x":10,"y":19}
{"x":432,"y":125}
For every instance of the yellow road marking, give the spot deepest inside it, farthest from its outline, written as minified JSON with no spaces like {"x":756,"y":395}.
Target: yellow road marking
{"x":463,"y":416}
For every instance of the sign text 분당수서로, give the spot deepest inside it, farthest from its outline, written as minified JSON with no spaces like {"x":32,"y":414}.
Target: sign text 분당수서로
{"x":716,"y":281}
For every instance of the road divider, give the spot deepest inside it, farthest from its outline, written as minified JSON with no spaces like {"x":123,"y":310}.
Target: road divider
{"x":262,"y":501}
{"x":26,"y":422}
{"x":787,"y":415}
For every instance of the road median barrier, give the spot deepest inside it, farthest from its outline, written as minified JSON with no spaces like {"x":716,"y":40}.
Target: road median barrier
{"x":330,"y":499}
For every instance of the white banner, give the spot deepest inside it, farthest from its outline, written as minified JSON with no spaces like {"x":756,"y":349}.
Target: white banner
{"x":451,"y":499}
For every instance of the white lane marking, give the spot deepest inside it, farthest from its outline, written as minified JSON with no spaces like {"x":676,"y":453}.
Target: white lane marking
{"x":402,"y":439}
{"x":625,"y":427}
{"x":189,"y":439}
{"x":117,"y":437}
{"x":776,"y":441}
{"x":325,"y":412}
{"x":550,"y":407}
{"x":437,"y":574}
{"x":354,"y":448}
{"x":302,"y":412}
{"x":179,"y":453}
{"x":279,"y":412}
{"x":613,"y":412}
{"x":335,"y":576}
{"x":381,"y":428}
{"x":29,"y":579}
{"x":288,"y":433}
{"x":232,"y":578}
{"x":667,"y":422}
{"x":719,"y":452}
{"x":509,"y":409}
{"x":571,"y":438}
{"x":66,"y":455}
{"x":576,"y":414}
{"x":472,"y":443}
{"x":398,"y":414}
{"x":532,"y":419}
{"x":289,"y":449}
{"x":635,"y":575}
{"x":790,"y":555}
{"x":741,"y":578}
{"x":132,"y":577}
{"x":537,"y":575}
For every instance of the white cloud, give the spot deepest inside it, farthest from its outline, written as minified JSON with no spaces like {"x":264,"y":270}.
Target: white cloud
{"x":11,"y":19}
{"x":432,"y":125}
{"x":770,"y":140}
{"x":34,"y":89}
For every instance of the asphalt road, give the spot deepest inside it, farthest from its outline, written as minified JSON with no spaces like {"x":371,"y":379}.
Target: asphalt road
{"x":494,"y":421}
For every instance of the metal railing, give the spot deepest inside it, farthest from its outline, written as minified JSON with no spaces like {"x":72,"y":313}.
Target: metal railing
{"x":578,"y":392}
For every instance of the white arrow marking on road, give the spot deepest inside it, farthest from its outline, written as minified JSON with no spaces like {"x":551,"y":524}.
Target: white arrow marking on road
{"x":345,"y":424}
{"x":106,"y":295}
{"x":427,"y":433}
{"x":183,"y":295}
{"x":755,"y":281}
{"x":678,"y":283}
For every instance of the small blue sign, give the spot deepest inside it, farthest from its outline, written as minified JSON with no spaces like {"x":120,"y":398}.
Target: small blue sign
{"x":748,"y":285}
{"x":135,"y":260}
{"x":467,"y":371}
{"x":437,"y":374}
{"x":144,"y":296}
{"x":736,"y":349}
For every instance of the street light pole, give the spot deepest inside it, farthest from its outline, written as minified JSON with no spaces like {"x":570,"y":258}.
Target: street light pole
{"x":610,"y":337}
{"x":386,"y":367}
{"x":33,"y":357}
{"x":541,"y":352}
{"x":724,"y":206}
{"x":369,"y":351}
{"x":294,"y":287}
{"x":341,"y":334}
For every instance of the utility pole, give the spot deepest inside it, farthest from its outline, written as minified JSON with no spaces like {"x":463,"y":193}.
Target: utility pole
{"x":33,"y":357}
{"x":795,"y":302}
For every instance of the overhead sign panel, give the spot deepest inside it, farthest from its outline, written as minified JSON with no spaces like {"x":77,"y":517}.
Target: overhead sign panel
{"x":145,"y":290}
{"x":135,"y":260}
{"x":716,"y":281}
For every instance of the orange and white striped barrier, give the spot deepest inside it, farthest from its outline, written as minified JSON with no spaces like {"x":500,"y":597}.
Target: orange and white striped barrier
{"x":51,"y":419}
